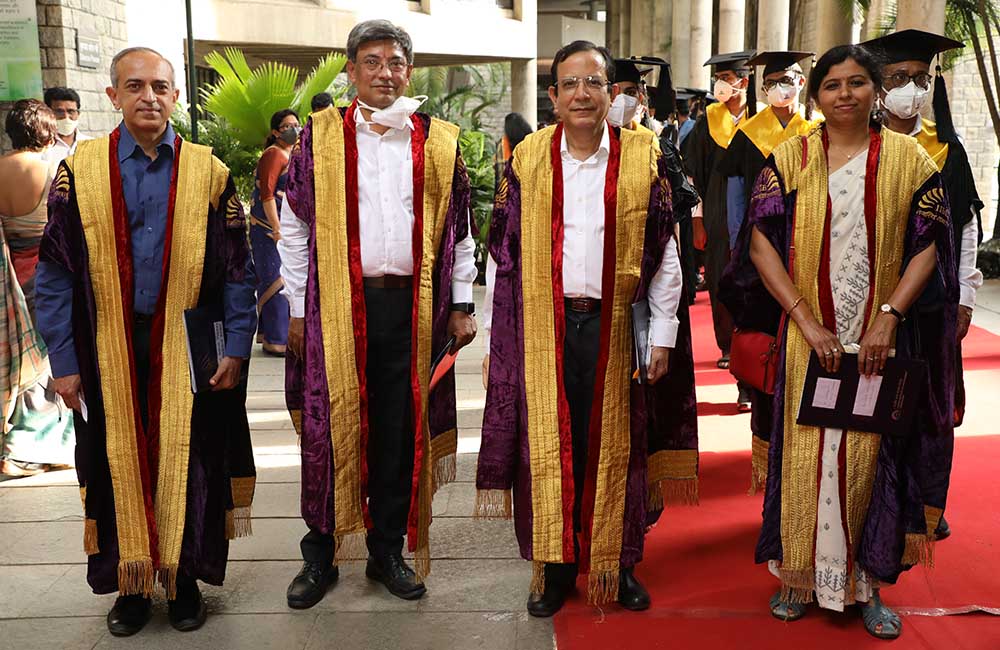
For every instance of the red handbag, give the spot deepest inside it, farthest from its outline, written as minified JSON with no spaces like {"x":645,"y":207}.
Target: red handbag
{"x":753,"y":355}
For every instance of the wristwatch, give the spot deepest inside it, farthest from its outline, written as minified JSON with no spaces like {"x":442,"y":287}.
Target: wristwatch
{"x":889,"y":309}
{"x":468,"y":307}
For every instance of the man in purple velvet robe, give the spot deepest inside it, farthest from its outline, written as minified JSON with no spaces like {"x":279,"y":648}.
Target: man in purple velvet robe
{"x":582,"y":254}
{"x":378,"y":263}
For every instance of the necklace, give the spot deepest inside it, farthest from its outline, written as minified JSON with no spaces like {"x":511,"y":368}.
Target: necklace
{"x":851,"y":155}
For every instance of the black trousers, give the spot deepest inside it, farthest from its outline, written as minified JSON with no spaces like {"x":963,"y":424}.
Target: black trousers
{"x":390,"y":426}
{"x":580,"y":352}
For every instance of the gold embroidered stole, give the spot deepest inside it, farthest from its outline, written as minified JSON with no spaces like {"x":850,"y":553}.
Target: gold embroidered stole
{"x":765,"y":131}
{"x":720,"y":123}
{"x":201,"y":179}
{"x":637,"y":173}
{"x":928,"y":139}
{"x":899,"y":178}
{"x":337,"y":326}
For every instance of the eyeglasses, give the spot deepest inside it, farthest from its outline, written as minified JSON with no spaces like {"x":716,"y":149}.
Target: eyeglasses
{"x":900,"y":79}
{"x":591,"y":83}
{"x":372,"y":64}
{"x":787,"y":80}
{"x":62,"y":113}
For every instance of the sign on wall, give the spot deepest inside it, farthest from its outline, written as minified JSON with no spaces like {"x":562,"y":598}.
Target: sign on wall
{"x":20,"y":62}
{"x":88,"y":50}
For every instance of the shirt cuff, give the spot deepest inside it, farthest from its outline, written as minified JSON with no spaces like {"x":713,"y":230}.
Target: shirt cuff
{"x":967,"y":296}
{"x":297,"y":306}
{"x":63,"y":363}
{"x":663,"y":333}
{"x":238,"y":345}
{"x":461,"y":291}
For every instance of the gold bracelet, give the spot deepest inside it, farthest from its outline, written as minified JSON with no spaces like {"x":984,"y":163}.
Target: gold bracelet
{"x":794,"y":305}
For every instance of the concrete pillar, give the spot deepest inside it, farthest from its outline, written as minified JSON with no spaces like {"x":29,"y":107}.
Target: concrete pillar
{"x":680,"y":42}
{"x":731,"y":32}
{"x":641,"y":16}
{"x":625,"y":26}
{"x":524,"y":89}
{"x":772,"y":24}
{"x":874,"y":19}
{"x":701,"y":42}
{"x":927,"y":15}
{"x":612,"y":29}
{"x":663,"y":14}
{"x":833,"y":25}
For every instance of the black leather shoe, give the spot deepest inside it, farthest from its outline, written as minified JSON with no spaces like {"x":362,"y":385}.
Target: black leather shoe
{"x":631,"y":594}
{"x":187,"y":612}
{"x":310,"y":585}
{"x":129,"y":615}
{"x":396,"y":575}
{"x":943,"y":530}
{"x":550,"y":601}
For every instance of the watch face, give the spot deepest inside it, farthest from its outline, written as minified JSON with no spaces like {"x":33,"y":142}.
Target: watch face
{"x":886,"y":308}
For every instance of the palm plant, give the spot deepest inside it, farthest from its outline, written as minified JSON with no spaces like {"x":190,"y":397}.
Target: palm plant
{"x":247,"y":98}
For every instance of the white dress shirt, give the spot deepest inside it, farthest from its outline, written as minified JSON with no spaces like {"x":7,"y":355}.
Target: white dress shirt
{"x":385,"y":220}
{"x":60,"y":151}
{"x":583,"y":247}
{"x":969,"y":277}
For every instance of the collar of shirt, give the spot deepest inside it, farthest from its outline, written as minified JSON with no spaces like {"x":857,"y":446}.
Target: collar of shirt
{"x":917,"y":126}
{"x":603,"y":149}
{"x":366,"y":126}
{"x":127,"y":145}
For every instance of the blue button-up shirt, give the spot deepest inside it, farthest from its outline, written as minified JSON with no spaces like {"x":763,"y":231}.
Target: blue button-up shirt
{"x":146,"y":189}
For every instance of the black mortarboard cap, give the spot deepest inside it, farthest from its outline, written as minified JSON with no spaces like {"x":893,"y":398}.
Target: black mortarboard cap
{"x":918,"y":45}
{"x":777,"y":61}
{"x":730,"y":61}
{"x":691,"y":93}
{"x":910,"y":45}
{"x":629,"y":70}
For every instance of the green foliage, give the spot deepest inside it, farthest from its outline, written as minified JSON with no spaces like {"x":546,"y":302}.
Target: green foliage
{"x":477,"y":151}
{"x":215,"y":132}
{"x":247,"y":98}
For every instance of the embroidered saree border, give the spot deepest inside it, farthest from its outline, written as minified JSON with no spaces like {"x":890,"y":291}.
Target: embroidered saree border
{"x":533,"y":166}
{"x":135,"y":565}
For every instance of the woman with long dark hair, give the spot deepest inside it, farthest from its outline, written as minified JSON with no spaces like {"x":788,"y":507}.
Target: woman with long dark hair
{"x":265,"y":230}
{"x":850,"y":224}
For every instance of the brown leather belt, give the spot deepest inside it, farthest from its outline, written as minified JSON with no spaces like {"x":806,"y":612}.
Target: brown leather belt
{"x":583,"y":305}
{"x":390,"y":282}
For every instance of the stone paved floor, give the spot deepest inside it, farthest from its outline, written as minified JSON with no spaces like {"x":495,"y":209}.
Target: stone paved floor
{"x":476,"y":592}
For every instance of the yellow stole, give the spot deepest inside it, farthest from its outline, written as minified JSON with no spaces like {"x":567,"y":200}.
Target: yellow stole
{"x":765,"y":131}
{"x":201,"y":179}
{"x":720,"y":123}
{"x":338,"y":330}
{"x":637,"y":173}
{"x":902,"y":170}
{"x":928,"y":139}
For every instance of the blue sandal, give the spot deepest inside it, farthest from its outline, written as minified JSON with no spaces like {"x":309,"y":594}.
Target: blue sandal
{"x":787,"y":612}
{"x":880,"y":621}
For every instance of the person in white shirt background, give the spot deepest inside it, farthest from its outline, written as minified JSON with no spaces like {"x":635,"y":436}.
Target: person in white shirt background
{"x":65,"y":103}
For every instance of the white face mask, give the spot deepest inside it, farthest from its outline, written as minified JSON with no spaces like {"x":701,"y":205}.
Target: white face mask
{"x":724,"y":90}
{"x":396,"y":114}
{"x":782,"y":95}
{"x":66,"y":126}
{"x":623,"y":110}
{"x":906,"y":102}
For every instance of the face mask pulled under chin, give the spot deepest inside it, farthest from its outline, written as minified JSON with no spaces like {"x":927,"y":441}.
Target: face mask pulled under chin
{"x":906,"y":102}
{"x":66,"y":126}
{"x":396,"y":114}
{"x":782,"y":95}
{"x":623,"y":110}
{"x":724,"y":91}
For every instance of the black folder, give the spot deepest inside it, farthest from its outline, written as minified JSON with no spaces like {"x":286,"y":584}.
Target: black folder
{"x":640,"y":338}
{"x":884,"y":403}
{"x":205,"y":333}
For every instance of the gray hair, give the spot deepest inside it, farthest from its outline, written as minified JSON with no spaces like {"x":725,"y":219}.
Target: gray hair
{"x":378,"y":30}
{"x":132,"y":50}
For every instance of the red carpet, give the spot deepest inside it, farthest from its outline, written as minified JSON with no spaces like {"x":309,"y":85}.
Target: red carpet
{"x":708,"y":593}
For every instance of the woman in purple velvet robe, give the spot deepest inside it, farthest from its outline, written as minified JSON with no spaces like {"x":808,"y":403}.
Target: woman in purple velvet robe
{"x":850,"y":224}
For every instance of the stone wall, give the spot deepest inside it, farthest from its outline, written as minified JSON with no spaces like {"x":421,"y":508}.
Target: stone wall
{"x":59,"y":21}
{"x":972,"y":121}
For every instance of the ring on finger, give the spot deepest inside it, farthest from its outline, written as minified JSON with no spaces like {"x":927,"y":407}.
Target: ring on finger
{"x":827,"y":353}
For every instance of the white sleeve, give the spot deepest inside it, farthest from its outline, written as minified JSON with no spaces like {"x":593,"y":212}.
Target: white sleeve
{"x":464,"y":272}
{"x":664,"y":298}
{"x":487,"y":320}
{"x":293,"y":248}
{"x":969,"y":277}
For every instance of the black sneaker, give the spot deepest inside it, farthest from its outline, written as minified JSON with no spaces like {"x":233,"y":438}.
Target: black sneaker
{"x":129,"y":615}
{"x":393,"y":572}
{"x":310,"y":585}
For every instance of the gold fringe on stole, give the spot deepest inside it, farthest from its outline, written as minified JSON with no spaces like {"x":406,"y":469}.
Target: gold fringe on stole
{"x":758,"y":464}
{"x":537,"y":578}
{"x":135,"y":578}
{"x":167,"y":577}
{"x":493,"y":504}
{"x":444,"y":448}
{"x":445,"y":470}
{"x":919,"y":549}
{"x":296,"y":416}
{"x":422,"y":561}
{"x":602,"y":587}
{"x":90,"y":537}
{"x":349,"y":547}
{"x":241,"y":515}
{"x":797,"y":585}
{"x":674,"y":492}
{"x":238,"y":523}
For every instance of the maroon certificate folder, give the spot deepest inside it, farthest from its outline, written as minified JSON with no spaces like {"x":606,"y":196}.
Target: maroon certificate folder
{"x":884,"y":403}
